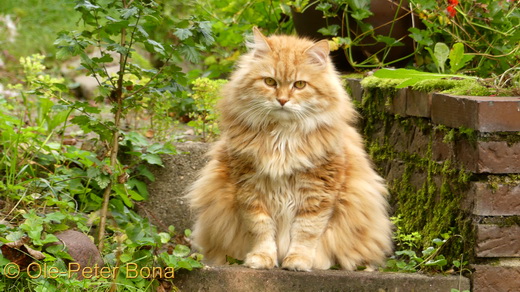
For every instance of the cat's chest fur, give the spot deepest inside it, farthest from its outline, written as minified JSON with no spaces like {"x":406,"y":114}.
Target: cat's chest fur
{"x":281,"y":152}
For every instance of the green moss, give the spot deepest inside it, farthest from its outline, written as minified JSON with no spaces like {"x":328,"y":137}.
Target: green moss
{"x":428,"y":194}
{"x":509,"y":221}
{"x":354,"y":75}
{"x":372,"y":82}
{"x":470,"y":87}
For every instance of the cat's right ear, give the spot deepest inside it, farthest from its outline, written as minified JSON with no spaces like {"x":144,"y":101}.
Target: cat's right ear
{"x":260,"y":45}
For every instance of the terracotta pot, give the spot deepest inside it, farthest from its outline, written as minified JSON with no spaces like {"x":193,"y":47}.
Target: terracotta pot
{"x":384,"y":11}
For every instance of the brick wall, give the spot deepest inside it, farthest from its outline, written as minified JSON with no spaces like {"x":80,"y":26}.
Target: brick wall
{"x":422,"y":141}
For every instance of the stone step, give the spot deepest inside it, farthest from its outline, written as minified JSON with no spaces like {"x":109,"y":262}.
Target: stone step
{"x":237,"y":278}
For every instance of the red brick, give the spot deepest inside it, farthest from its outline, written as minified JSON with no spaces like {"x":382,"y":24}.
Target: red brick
{"x":482,"y":113}
{"x":504,"y":200}
{"x":496,"y":241}
{"x":496,"y":278}
{"x":489,"y":156}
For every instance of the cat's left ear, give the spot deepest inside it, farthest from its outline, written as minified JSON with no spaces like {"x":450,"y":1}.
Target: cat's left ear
{"x":319,"y":53}
{"x":260,"y":45}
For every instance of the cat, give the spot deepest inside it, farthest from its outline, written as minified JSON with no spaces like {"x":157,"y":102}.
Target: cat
{"x":289,"y":182}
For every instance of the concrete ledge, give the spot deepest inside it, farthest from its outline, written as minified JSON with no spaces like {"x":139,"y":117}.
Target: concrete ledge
{"x":236,"y":278}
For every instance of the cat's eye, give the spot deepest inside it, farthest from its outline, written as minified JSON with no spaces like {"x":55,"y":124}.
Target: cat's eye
{"x":300,"y":84}
{"x":270,"y":81}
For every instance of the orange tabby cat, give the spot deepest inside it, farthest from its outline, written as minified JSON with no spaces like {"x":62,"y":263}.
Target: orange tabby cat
{"x":289,"y":183}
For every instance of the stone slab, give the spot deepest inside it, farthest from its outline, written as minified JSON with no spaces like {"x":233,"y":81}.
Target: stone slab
{"x":502,"y":201}
{"x":487,"y":278}
{"x":497,"y":241}
{"x":236,"y":278}
{"x":482,"y":113}
{"x":166,"y":205}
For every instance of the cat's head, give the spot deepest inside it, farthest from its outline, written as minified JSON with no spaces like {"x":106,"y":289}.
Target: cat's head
{"x":285,"y":79}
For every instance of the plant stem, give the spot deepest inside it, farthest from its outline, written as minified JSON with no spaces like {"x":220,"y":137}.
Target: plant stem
{"x":118,"y":99}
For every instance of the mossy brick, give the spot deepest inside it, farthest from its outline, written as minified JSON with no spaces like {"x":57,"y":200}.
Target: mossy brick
{"x":397,"y":103}
{"x":442,"y":150}
{"x":499,"y":200}
{"x":488,"y":278}
{"x":489,"y":156}
{"x":497,"y":241}
{"x":236,"y":278}
{"x":418,"y":103}
{"x":482,"y":113}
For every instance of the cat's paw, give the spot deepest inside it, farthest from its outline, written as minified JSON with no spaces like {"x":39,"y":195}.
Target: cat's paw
{"x":258,"y":260}
{"x":295,"y":262}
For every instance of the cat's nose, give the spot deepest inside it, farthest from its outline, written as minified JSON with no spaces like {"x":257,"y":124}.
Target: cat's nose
{"x":282,"y":101}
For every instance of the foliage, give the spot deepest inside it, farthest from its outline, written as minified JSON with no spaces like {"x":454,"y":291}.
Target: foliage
{"x":488,"y":29}
{"x":406,"y":258}
{"x":70,"y":162}
{"x":354,"y":31}
{"x":232,"y":23}
{"x":205,"y":96}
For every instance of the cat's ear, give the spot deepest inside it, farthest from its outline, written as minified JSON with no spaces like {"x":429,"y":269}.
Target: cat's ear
{"x":260,"y":44}
{"x":318,"y":53}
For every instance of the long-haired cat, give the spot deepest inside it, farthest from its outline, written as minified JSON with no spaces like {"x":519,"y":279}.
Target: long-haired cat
{"x":289,"y":183}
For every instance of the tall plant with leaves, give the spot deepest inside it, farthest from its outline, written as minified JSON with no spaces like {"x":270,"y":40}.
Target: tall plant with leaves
{"x":117,"y":29}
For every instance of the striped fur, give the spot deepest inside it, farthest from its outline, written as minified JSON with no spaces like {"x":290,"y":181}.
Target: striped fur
{"x":289,"y":183}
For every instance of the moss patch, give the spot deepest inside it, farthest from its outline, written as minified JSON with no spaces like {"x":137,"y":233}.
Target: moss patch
{"x":426,"y":194}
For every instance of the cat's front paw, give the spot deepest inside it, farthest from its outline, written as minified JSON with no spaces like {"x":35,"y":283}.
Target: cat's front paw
{"x":258,"y":260}
{"x":297,"y":262}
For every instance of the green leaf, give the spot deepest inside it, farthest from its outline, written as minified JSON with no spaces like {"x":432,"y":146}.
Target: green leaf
{"x":437,"y":262}
{"x":331,"y":30}
{"x":233,"y":261}
{"x":152,"y":159}
{"x":129,"y":12}
{"x":411,"y":77}
{"x":190,"y":53}
{"x":457,"y":57}
{"x":441,"y":53}
{"x":360,"y":14}
{"x":183,"y":33}
{"x":181,"y":250}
